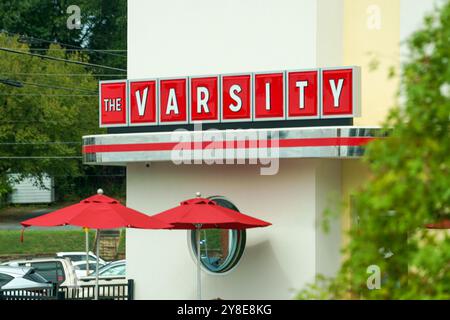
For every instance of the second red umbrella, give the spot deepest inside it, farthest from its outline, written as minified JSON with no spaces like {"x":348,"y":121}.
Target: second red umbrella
{"x":200,"y":213}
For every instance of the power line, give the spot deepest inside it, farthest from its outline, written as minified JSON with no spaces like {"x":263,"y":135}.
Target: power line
{"x":90,"y":175}
{"x":25,"y":39}
{"x":56,"y":87}
{"x":64,"y":74}
{"x":48,"y":95}
{"x":75,"y":50}
{"x":82,"y":49}
{"x":42,"y":157}
{"x":78,"y":49}
{"x":17,"y":83}
{"x":60,"y":59}
{"x":29,"y":121}
{"x":39,"y":143}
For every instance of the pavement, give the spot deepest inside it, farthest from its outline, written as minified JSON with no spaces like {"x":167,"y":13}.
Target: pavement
{"x":13,"y":222}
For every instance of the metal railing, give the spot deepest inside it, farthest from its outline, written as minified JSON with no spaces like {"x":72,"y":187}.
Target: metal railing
{"x":30,"y":294}
{"x":123,"y":291}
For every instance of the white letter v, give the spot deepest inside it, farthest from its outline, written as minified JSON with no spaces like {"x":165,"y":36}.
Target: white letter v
{"x":142,"y":103}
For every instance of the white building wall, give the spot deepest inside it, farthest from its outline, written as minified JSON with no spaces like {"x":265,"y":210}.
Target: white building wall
{"x":412,"y":14}
{"x":278,"y":260}
{"x":194,"y":37}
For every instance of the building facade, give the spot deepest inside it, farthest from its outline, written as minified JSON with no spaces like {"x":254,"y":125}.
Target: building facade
{"x":202,"y":37}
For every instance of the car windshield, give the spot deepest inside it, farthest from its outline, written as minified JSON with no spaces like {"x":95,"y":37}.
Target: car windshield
{"x":92,"y":266}
{"x":115,"y":270}
{"x":4,"y":279}
{"x":51,"y":270}
{"x":118,"y":270}
{"x":78,"y":257}
{"x":34,"y":276}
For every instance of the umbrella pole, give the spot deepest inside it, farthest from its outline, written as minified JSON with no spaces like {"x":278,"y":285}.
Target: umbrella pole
{"x":96,"y":267}
{"x":199,"y":278}
{"x":86,"y":232}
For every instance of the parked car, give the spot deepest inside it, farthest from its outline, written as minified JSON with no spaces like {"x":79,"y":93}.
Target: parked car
{"x":76,"y":256}
{"x":62,"y":272}
{"x":55,"y":270}
{"x":80,"y":268}
{"x":115,"y":268}
{"x":112,"y":273}
{"x":22,"y":278}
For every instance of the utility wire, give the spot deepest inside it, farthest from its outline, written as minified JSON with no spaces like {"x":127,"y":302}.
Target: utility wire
{"x":88,"y":175}
{"x":18,"y":83}
{"x":42,"y":157}
{"x":75,"y":50}
{"x":81,"y":49}
{"x":48,"y":95}
{"x":26,"y":39}
{"x":29,"y":121}
{"x":60,"y":59}
{"x":64,"y":74}
{"x":39,"y":143}
{"x":57,"y":87}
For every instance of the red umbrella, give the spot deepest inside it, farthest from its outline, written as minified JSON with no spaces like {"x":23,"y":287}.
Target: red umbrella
{"x":200,"y":213}
{"x":97,"y":212}
{"x":443,"y":224}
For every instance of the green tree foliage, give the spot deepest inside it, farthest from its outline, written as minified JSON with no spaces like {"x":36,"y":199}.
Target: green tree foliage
{"x":410,"y":186}
{"x":41,"y":123}
{"x":103,"y":26}
{"x":39,"y":25}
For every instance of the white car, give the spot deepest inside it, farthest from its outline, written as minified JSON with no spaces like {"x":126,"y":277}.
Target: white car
{"x":113,"y":273}
{"x":81,"y":268}
{"x":55,"y":270}
{"x":22,"y":278}
{"x":76,"y":256}
{"x":115,"y":268}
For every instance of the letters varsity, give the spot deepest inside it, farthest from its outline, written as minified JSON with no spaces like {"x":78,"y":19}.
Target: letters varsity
{"x":244,"y":97}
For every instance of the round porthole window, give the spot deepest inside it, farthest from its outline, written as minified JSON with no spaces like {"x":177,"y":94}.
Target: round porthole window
{"x":220,"y":249}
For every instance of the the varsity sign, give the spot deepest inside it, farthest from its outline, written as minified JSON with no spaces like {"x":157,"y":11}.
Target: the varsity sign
{"x":243,"y":97}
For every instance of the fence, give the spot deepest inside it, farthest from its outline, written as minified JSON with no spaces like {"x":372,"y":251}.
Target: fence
{"x":30,"y":294}
{"x":105,"y":292}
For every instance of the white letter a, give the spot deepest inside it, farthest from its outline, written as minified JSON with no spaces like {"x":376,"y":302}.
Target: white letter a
{"x":172,"y":104}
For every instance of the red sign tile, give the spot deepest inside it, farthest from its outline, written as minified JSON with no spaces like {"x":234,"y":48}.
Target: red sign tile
{"x":237,"y":97}
{"x":204,"y":99}
{"x":337,"y":92}
{"x":143,"y":110}
{"x":173,"y":101}
{"x":269,"y":96}
{"x":113,"y":103}
{"x":303,"y":90}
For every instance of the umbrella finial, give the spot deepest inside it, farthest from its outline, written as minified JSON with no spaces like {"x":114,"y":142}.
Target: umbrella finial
{"x":100,"y":191}
{"x":198,"y":194}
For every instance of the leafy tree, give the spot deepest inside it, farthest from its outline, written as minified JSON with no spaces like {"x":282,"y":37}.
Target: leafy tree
{"x":409,"y":187}
{"x":41,"y":122}
{"x":39,"y":25}
{"x":40,"y":22}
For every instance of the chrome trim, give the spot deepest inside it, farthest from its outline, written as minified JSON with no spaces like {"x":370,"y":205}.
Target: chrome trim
{"x":121,"y":158}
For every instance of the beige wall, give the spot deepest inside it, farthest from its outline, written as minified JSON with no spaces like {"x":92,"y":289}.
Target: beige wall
{"x":354,"y":174}
{"x":372,"y":33}
{"x":376,"y":31}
